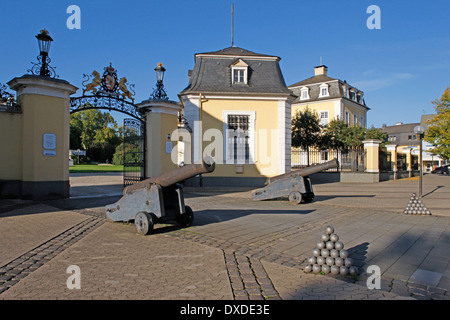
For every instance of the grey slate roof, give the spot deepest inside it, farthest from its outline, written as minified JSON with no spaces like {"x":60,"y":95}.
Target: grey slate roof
{"x":335,"y":89}
{"x":212,"y":74}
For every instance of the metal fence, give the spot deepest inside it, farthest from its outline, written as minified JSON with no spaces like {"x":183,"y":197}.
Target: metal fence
{"x":386,"y":163}
{"x":352,"y":160}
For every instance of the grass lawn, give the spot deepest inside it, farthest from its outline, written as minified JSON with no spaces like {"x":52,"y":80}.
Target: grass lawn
{"x":95,"y":168}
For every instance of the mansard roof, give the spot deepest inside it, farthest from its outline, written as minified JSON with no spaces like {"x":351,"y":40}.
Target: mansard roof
{"x":212,"y":74}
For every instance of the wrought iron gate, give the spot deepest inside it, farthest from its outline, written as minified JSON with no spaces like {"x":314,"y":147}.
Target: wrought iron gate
{"x":133,"y":151}
{"x":110,"y":92}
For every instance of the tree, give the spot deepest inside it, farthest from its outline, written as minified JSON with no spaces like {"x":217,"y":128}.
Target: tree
{"x":95,"y":132}
{"x":306,"y":130}
{"x":439,"y":127}
{"x":376,"y":134}
{"x":334,"y":135}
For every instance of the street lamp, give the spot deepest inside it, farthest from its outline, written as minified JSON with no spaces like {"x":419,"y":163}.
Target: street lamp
{"x":160,"y":72}
{"x":43,"y":68}
{"x":159,"y":93}
{"x":420,"y":131}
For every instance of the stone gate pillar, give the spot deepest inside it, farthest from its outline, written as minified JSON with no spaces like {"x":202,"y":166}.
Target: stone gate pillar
{"x":372,"y":148}
{"x":45,"y":104}
{"x":162,"y":120}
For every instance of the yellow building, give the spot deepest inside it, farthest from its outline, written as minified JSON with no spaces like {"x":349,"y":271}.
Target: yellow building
{"x":238,"y":108}
{"x":331,"y":98}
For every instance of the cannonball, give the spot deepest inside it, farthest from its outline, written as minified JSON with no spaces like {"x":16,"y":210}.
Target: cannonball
{"x":339,"y":262}
{"x":316,"y":268}
{"x":343,"y":254}
{"x":348,"y":262}
{"x":330,"y":230}
{"x":334,"y":237}
{"x":316,"y":252}
{"x":334,"y":253}
{"x":329,"y":245}
{"x":320,"y":260}
{"x":329,"y":261}
{"x":343,"y":270}
{"x":324,"y":253}
{"x":308,"y":268}
{"x":312,"y":260}
{"x":326,"y":269}
{"x":325,"y":237}
{"x":320,"y":245}
{"x":334,"y":269}
{"x":353,"y":271}
{"x":339,"y":245}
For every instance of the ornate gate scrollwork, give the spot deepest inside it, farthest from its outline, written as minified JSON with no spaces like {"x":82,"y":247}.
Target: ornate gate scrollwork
{"x":109,"y":92}
{"x":8,"y":101}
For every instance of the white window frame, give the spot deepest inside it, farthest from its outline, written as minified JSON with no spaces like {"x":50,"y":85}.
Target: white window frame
{"x":302,"y":92}
{"x":355,"y":119}
{"x":324,"y":122}
{"x":321,"y":88}
{"x":229,"y":156}
{"x":240,"y":65}
{"x":323,"y":155}
{"x":347,"y":117}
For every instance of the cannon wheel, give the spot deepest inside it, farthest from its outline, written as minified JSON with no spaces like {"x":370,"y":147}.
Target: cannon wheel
{"x":185,"y":220}
{"x":295,"y":197}
{"x":144,"y":223}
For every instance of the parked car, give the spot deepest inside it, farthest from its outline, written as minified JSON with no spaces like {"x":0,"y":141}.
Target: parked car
{"x":441,"y":169}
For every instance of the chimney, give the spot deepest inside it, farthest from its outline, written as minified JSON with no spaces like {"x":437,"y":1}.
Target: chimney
{"x":320,"y":70}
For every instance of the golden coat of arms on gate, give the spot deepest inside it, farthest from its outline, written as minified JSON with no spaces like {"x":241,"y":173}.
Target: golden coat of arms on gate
{"x":108,"y":85}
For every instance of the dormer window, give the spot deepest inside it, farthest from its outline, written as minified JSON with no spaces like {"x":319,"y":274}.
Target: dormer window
{"x":304,"y":93}
{"x":323,"y":90}
{"x":239,"y":72}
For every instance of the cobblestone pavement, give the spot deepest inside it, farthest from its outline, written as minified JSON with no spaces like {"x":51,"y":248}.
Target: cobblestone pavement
{"x":236,"y":249}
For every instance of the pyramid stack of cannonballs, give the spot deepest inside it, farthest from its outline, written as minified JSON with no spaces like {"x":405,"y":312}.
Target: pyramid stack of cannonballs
{"x":416,"y":206}
{"x":329,"y":256}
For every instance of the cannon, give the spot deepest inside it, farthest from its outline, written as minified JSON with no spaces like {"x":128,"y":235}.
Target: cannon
{"x":158,"y":199}
{"x":296,"y":185}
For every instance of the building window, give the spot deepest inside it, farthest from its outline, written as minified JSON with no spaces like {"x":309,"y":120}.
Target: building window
{"x":323,"y":118}
{"x":392,"y":138}
{"x":347,"y":117}
{"x":304,"y":94}
{"x":362,"y":122}
{"x":239,"y":127}
{"x":238,"y":76}
{"x":324,"y":155}
{"x":239,"y":72}
{"x":323,"y":90}
{"x":355,"y":119}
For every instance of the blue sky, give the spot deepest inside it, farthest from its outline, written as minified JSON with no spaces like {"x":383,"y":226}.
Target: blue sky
{"x":401,"y":68}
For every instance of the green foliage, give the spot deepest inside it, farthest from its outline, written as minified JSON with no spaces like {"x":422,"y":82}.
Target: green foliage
{"x":133,"y":154}
{"x":439,"y":127}
{"x":306,"y":130}
{"x":376,"y":134}
{"x":95,"y":132}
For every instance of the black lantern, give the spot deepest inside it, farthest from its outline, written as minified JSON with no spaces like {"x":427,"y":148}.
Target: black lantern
{"x":43,"y":68}
{"x":160,"y":72}
{"x":44,"y":41}
{"x":159,"y":93}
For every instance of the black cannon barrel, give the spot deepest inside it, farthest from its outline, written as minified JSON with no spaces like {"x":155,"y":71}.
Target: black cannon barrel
{"x":171,"y":177}
{"x":306,"y":171}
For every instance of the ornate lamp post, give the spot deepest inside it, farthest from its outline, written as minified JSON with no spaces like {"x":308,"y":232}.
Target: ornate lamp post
{"x":43,"y":68}
{"x":159,"y":93}
{"x":420,"y":131}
